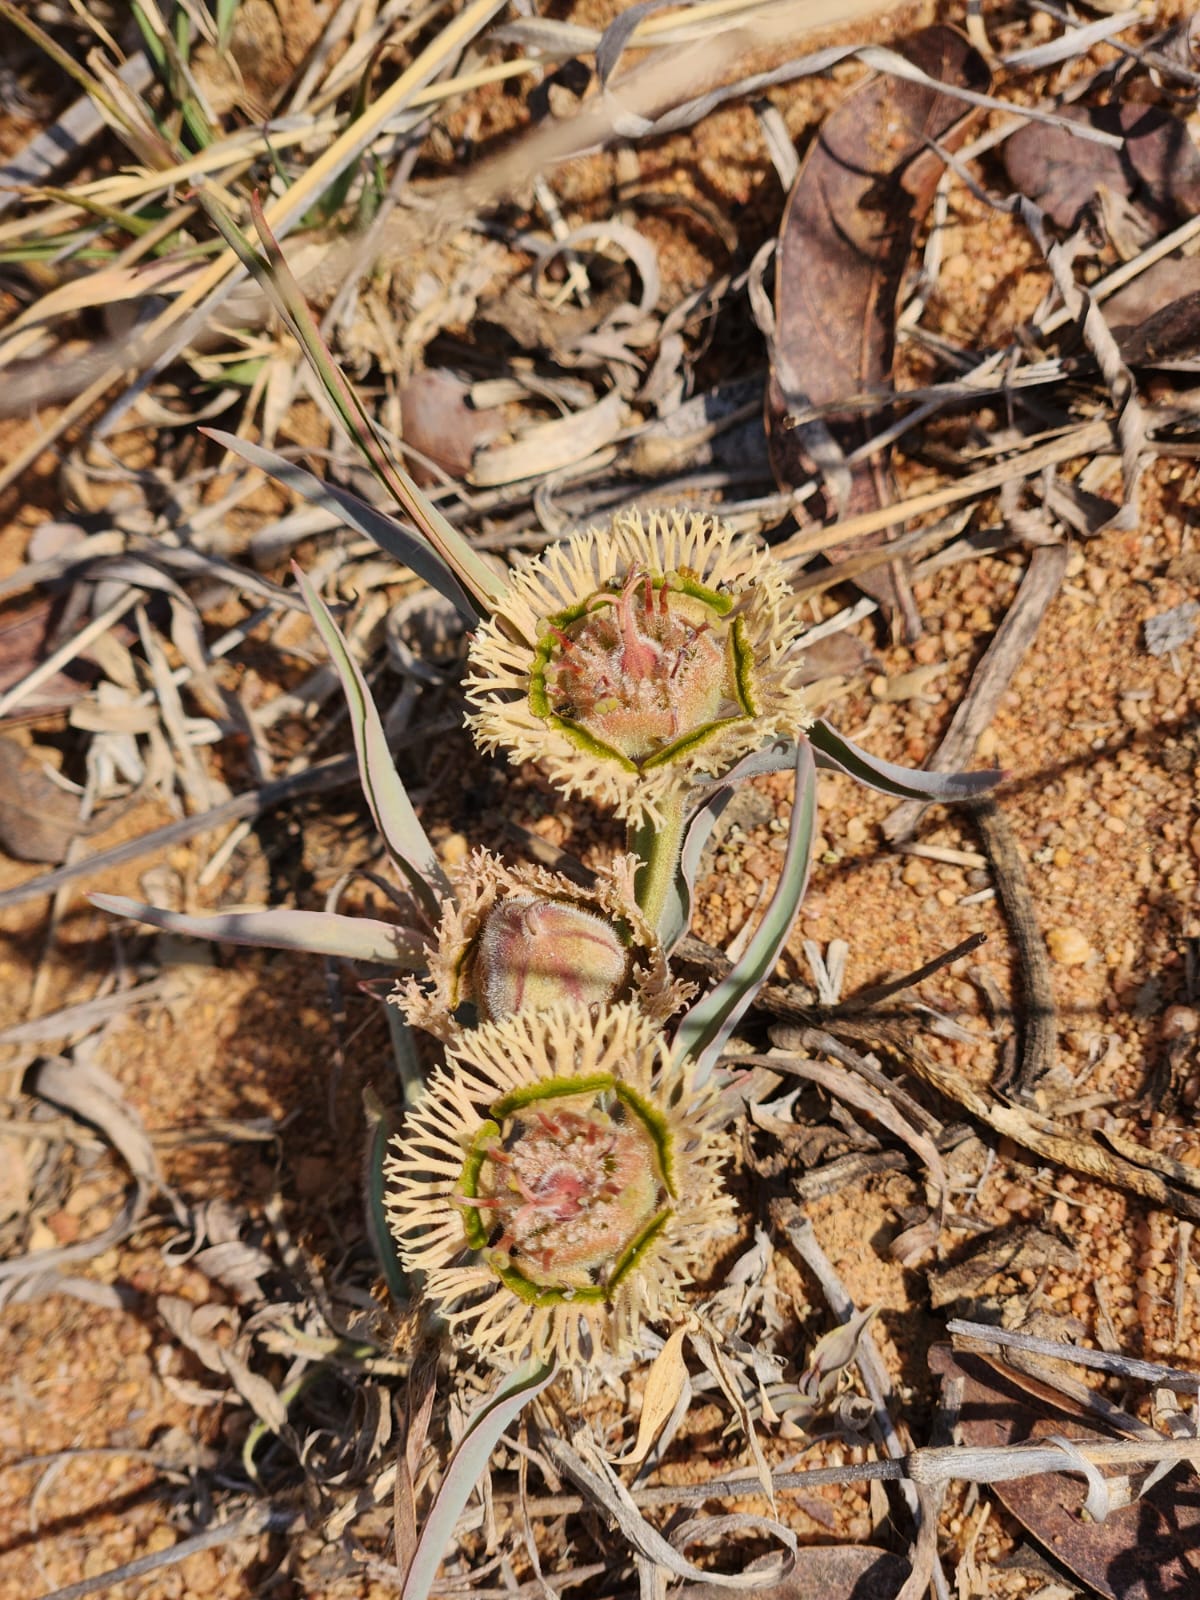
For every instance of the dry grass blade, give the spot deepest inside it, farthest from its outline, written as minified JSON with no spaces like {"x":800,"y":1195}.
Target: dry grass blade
{"x":585,"y":1465}
{"x":466,"y":1467}
{"x":335,"y":773}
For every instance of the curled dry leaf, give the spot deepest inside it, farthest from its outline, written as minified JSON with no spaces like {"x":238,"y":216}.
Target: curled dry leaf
{"x":583,"y":1462}
{"x":845,"y":240}
{"x":88,"y":1092}
{"x":832,"y":1354}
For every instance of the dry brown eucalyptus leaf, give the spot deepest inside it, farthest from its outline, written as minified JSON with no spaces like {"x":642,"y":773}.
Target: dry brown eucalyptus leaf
{"x":1168,"y":339}
{"x":38,"y":819}
{"x":838,"y":655}
{"x":833,"y":1572}
{"x":1158,"y":168}
{"x":1149,"y":1550}
{"x":843,"y":246}
{"x":25,"y":639}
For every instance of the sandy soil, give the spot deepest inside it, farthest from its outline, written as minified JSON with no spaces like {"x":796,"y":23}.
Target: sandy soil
{"x":1101,"y":741}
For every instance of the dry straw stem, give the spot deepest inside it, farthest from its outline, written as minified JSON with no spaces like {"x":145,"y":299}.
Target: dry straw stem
{"x":1120,"y":1366}
{"x":263,"y":1519}
{"x":932,"y":1465}
{"x":1088,"y":439}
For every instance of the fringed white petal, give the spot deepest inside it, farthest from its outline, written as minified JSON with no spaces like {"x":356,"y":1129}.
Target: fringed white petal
{"x":566,"y":575}
{"x":424,"y":1167}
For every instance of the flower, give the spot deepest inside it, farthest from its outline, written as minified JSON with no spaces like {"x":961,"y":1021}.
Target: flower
{"x":561,"y":1174}
{"x":633,"y":658}
{"x":517,"y":938}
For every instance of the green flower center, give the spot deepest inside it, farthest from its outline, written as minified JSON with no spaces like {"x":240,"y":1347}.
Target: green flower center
{"x":646,"y":671}
{"x":566,"y":1187}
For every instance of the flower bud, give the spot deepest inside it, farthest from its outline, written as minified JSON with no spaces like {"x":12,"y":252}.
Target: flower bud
{"x":518,"y":939}
{"x":532,"y":952}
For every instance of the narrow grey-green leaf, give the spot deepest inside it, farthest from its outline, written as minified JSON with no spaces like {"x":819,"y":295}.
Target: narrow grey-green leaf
{"x":905,"y":783}
{"x":405,"y":1054}
{"x":708,"y":1024}
{"x":466,"y":1466}
{"x":321,"y":933}
{"x":390,"y":806}
{"x":393,"y":537}
{"x":383,"y":1243}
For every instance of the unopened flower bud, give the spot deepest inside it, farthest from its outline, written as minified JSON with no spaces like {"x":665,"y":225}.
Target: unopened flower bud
{"x":532,"y":952}
{"x":518,"y":939}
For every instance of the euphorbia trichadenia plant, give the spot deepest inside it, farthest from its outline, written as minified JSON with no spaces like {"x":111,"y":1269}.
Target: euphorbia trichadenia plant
{"x":560,"y":1175}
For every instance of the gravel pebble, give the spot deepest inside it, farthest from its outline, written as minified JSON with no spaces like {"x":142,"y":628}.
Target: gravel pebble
{"x":1068,"y":947}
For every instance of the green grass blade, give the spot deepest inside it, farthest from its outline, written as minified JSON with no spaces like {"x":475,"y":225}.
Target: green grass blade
{"x":390,"y":806}
{"x":335,"y":197}
{"x":676,"y":915}
{"x":708,"y":1024}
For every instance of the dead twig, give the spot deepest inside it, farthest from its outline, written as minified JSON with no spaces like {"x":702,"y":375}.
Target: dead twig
{"x":266,"y":1519}
{"x":991,"y":678}
{"x":1037,"y":1017}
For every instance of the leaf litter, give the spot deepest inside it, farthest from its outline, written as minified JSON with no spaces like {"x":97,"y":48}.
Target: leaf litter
{"x":279,"y":1334}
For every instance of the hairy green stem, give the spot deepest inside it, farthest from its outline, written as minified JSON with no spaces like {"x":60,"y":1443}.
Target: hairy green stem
{"x":658,"y":845}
